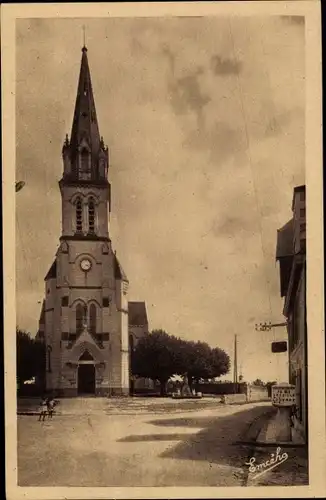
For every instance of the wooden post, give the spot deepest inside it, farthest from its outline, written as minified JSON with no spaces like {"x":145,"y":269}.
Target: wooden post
{"x":235,"y":369}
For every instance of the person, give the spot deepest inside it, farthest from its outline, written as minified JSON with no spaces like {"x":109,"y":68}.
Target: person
{"x":43,"y":409}
{"x":51,"y":403}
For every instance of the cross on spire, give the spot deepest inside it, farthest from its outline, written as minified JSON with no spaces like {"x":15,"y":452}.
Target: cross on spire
{"x":84,"y":38}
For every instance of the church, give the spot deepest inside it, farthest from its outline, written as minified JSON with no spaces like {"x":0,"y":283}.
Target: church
{"x":87,"y":323}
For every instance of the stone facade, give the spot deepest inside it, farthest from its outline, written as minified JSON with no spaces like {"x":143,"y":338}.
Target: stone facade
{"x":138,"y":327}
{"x":291,"y":254}
{"x":84,"y":318}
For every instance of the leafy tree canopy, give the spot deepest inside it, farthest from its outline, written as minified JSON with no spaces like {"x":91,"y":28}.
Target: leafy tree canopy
{"x":159,"y":356}
{"x":258,"y":382}
{"x":30,"y":356}
{"x":156,"y":356}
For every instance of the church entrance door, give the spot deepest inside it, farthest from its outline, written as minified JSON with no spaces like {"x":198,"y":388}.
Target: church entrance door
{"x":86,"y":379}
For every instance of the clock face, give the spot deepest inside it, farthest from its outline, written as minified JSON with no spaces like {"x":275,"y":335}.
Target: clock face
{"x":85,"y":264}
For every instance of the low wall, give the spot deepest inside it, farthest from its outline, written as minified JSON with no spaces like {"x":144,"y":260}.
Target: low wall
{"x":246,"y":394}
{"x":230,"y":399}
{"x":223,"y":388}
{"x":252,"y":392}
{"x":257,"y":393}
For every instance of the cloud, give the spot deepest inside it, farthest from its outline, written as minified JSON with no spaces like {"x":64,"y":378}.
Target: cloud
{"x":167,"y":52}
{"x":216,"y":130}
{"x":281,"y":122}
{"x":274,"y":125}
{"x":233,"y":225}
{"x":25,"y":28}
{"x":221,"y":141}
{"x":224,"y":67}
{"x":193,"y":93}
{"x":297,"y":20}
{"x":184,"y":210}
{"x":187,"y":95}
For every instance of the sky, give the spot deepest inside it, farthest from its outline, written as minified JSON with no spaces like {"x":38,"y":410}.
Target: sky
{"x":204,"y":118}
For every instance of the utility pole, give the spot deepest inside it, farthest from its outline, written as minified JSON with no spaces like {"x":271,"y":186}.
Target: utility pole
{"x":240,"y":374}
{"x":235,"y":369}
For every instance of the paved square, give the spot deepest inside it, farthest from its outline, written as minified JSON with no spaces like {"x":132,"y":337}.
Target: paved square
{"x":147,"y":448}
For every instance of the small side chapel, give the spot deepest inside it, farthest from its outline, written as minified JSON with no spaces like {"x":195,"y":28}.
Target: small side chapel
{"x":86,"y":321}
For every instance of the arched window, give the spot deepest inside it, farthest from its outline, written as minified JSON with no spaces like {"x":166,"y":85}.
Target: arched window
{"x":79,"y":215}
{"x":84,"y":166}
{"x":91,"y":216}
{"x":92,"y":319}
{"x":80,"y":318}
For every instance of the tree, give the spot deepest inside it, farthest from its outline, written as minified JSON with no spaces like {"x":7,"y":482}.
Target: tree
{"x":203,"y":362}
{"x":198,"y":361}
{"x":220,"y":362}
{"x":157,"y":356}
{"x":258,"y":382}
{"x":30,"y":357}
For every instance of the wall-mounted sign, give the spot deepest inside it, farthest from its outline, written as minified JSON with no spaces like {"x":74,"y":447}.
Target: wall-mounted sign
{"x":283,"y":395}
{"x":279,"y":346}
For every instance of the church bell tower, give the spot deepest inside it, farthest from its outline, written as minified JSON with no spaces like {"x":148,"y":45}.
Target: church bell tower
{"x":85,"y":310}
{"x":85,"y":169}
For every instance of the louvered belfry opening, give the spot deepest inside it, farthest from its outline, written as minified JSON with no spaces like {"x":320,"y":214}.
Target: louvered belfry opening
{"x":91,"y":216}
{"x":79,"y":216}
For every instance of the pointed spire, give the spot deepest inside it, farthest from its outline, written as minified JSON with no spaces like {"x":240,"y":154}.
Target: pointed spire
{"x":85,"y":126}
{"x":85,"y":156}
